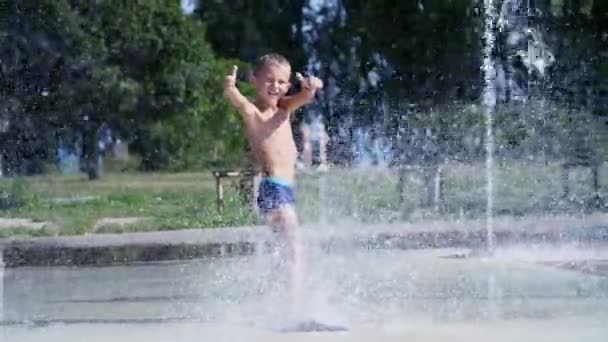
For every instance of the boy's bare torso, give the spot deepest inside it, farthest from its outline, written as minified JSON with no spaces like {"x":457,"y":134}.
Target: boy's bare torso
{"x":267,"y":120}
{"x":271,"y":138}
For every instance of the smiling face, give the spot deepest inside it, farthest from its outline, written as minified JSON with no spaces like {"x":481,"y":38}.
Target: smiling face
{"x":271,"y":82}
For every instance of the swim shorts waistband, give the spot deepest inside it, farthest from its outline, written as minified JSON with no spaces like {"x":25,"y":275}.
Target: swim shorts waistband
{"x":277,"y":180}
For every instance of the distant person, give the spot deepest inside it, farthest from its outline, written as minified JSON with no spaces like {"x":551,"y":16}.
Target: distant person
{"x":314,"y":144}
{"x":105,"y":142}
{"x":267,"y":123}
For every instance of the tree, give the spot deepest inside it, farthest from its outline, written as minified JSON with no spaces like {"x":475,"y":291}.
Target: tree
{"x":260,"y":27}
{"x":175,"y":116}
{"x":140,"y":67}
{"x":40,"y":44}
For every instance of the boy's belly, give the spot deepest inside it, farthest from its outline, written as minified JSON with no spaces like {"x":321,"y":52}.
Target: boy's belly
{"x":278,"y":162}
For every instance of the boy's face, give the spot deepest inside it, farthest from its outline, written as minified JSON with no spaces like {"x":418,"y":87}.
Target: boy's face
{"x":272,"y":82}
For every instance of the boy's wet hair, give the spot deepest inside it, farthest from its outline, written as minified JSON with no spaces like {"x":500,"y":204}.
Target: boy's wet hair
{"x":269,"y":59}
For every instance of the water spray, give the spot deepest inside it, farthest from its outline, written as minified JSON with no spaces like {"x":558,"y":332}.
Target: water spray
{"x":489,"y":104}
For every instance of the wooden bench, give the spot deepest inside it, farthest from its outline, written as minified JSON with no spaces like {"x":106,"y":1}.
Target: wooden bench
{"x":220,"y":175}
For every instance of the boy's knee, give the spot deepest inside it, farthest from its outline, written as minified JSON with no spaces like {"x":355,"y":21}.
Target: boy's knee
{"x":288,"y":214}
{"x":282,"y":219}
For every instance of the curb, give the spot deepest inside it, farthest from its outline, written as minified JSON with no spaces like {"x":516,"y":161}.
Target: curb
{"x":122,"y":249}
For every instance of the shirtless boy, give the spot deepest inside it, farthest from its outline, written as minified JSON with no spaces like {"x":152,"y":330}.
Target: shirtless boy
{"x":268,"y":128}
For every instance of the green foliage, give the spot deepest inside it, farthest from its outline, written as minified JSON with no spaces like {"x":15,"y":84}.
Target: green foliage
{"x":13,"y":193}
{"x":142,"y":66}
{"x":129,"y":164}
{"x":155,"y":74}
{"x":176,"y":116}
{"x":206,"y":135}
{"x":583,"y":137}
{"x":424,"y":44}
{"x":246,"y":29}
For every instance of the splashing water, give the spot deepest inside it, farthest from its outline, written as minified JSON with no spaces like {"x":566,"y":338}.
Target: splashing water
{"x":489,"y":104}
{"x":370,"y":151}
{"x":1,"y":286}
{"x":189,"y":6}
{"x":323,"y":198}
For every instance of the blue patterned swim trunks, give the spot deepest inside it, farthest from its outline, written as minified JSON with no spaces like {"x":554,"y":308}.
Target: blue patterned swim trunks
{"x":273,"y":193}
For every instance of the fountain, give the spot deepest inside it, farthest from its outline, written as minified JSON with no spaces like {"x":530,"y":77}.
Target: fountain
{"x":489,"y":103}
{"x":390,"y":291}
{"x":1,"y":286}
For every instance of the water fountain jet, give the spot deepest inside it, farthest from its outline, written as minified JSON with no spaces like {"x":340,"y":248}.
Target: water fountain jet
{"x":489,"y":105}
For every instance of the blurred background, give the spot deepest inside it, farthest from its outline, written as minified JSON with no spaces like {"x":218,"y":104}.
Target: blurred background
{"x":112,"y":116}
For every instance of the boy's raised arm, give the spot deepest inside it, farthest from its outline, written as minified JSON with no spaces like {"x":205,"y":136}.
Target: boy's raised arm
{"x":240,"y":102}
{"x":309,"y":86}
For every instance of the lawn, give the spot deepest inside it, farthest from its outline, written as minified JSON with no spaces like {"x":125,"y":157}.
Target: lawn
{"x":73,"y":205}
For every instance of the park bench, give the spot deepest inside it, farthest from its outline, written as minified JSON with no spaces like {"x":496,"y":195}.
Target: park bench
{"x":247,"y":187}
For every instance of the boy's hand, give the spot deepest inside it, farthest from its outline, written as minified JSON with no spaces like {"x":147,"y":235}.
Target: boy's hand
{"x":235,"y":97}
{"x":309,"y":83}
{"x":230,"y":80}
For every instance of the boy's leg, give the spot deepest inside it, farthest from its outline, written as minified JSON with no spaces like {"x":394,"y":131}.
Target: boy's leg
{"x":284,"y":221}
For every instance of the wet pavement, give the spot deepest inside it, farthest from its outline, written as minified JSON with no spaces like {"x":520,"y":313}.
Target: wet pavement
{"x":522,"y":293}
{"x":187,"y":244}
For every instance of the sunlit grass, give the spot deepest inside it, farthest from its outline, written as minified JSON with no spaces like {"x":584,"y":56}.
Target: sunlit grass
{"x":72,"y":205}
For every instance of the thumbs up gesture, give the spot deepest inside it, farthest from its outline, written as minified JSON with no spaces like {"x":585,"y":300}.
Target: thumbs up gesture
{"x":309,"y":83}
{"x":230,"y":80}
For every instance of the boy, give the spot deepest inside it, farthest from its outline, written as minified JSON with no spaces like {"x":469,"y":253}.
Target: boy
{"x":268,"y":129}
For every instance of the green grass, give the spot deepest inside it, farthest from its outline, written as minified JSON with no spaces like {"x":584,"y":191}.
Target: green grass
{"x":170,"y":201}
{"x":520,"y":188}
{"x":187,"y":200}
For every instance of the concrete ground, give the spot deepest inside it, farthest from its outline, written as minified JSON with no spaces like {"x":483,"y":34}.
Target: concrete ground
{"x":447,"y":294}
{"x":127,"y":248}
{"x":566,"y":330}
{"x":425,"y":281}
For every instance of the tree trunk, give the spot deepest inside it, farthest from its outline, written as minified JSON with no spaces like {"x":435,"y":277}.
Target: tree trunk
{"x":401,"y":184}
{"x":595,"y":172}
{"x":401,"y":187}
{"x":1,"y":161}
{"x":431,"y":176}
{"x":438,"y":194}
{"x":434,"y":186}
{"x":91,"y":160}
{"x":565,"y":181}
